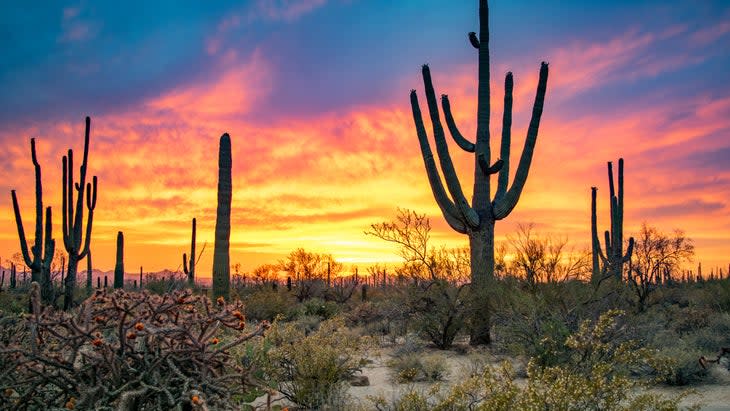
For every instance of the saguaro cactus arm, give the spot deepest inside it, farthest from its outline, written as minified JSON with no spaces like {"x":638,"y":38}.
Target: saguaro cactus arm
{"x":91,"y":205}
{"x":505,"y":205}
{"x":504,"y":148}
{"x":448,"y":208}
{"x":462,"y":142}
{"x":447,"y":167}
{"x":21,"y":231}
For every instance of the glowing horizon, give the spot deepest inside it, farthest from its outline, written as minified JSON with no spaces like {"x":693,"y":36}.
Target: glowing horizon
{"x":314,"y":94}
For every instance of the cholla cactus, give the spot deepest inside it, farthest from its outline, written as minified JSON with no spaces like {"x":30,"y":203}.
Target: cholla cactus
{"x":128,"y":351}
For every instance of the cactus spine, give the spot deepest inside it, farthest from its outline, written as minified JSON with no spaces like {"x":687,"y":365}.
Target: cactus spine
{"x":119,"y":266}
{"x":190,"y":272}
{"x":221,"y":253}
{"x":44,"y":246}
{"x":72,"y":223}
{"x":612,"y":261}
{"x":477,"y":221}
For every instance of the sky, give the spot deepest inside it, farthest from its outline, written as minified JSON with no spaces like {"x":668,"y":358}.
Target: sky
{"x":314,"y":94}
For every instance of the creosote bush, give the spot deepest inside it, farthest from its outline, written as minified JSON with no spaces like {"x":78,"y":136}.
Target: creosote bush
{"x":312,"y":370}
{"x":126,"y":351}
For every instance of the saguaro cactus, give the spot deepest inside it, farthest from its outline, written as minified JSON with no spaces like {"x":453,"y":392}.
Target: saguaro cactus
{"x":119,"y":266}
{"x":190,"y":272}
{"x":72,"y":223}
{"x":477,"y":221}
{"x":612,"y":262}
{"x":44,"y":247}
{"x":221,"y":253}
{"x":89,"y":272}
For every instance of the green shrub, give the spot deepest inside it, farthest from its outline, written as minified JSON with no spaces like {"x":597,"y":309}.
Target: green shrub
{"x":267,"y":304}
{"x":414,"y":367}
{"x":319,"y":307}
{"x":312,"y":370}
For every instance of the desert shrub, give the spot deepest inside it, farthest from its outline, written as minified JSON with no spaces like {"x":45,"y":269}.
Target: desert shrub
{"x":690,"y":333}
{"x":597,"y":377}
{"x":125,"y":350}
{"x":413,"y":367}
{"x":13,"y":301}
{"x":440,"y":311}
{"x":163,"y":283}
{"x":266,"y":304}
{"x":320,"y":308}
{"x":312,"y":370}
{"x":388,"y":314}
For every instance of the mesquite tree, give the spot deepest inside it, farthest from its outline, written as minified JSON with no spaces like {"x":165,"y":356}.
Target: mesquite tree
{"x":477,"y":220}
{"x":612,"y":262}
{"x":44,"y":246}
{"x":221,"y":253}
{"x":72,"y":223}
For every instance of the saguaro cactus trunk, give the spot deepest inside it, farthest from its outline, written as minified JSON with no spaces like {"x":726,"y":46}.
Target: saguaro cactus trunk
{"x":221,"y":256}
{"x":119,"y":266}
{"x":477,"y":220}
{"x":72,"y":223}
{"x":189,"y":265}
{"x":44,"y":246}
{"x":612,"y":262}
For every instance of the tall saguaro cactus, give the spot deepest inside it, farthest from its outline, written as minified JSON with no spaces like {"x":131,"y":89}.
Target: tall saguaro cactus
{"x":612,"y":262}
{"x":221,"y":253}
{"x":119,"y":266}
{"x":73,"y":221}
{"x":477,"y":220}
{"x":44,"y":246}
{"x":190,"y":272}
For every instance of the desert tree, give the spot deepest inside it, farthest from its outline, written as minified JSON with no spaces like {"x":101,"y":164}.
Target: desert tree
{"x":545,"y":258}
{"x":656,"y":256}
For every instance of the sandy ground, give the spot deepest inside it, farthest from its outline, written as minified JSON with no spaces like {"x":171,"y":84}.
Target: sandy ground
{"x":711,"y":397}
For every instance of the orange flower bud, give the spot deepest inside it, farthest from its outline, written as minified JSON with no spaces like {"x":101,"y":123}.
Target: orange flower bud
{"x":131,"y":335}
{"x":214,"y":341}
{"x":195,"y":400}
{"x":139,"y":326}
{"x":97,"y":342}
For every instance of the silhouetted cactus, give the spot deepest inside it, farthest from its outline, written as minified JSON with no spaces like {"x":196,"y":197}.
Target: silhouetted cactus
{"x":477,"y":220}
{"x":42,"y":251}
{"x":72,"y":223}
{"x":13,"y":278}
{"x":89,"y":271}
{"x":221,"y":253}
{"x":613,"y":260}
{"x":190,"y":272}
{"x":119,"y":266}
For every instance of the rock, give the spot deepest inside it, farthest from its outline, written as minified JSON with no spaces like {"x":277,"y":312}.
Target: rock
{"x":360,"y":381}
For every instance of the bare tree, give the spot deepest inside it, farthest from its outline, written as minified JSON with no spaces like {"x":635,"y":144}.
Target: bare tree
{"x":309,"y":271}
{"x":545,"y":258}
{"x":656,"y":257}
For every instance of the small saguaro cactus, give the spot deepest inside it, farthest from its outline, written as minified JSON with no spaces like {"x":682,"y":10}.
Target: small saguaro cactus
{"x":612,"y":261}
{"x":44,"y":247}
{"x":119,"y":266}
{"x":221,"y":253}
{"x":190,"y":272}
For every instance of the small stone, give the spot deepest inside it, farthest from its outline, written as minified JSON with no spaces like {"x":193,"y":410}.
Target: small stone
{"x":360,"y":381}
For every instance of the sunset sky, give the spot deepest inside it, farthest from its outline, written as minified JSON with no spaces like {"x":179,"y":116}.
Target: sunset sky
{"x":314,"y":94}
